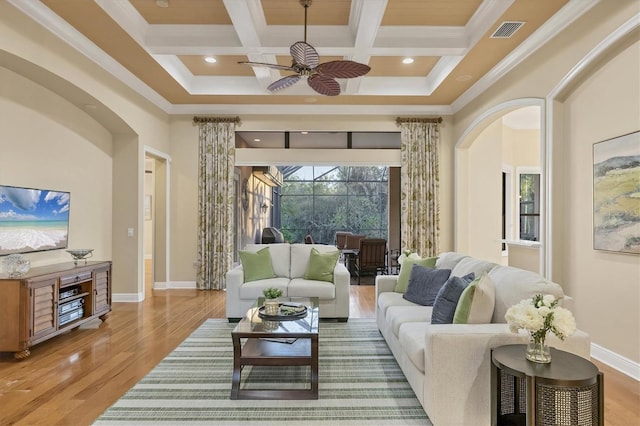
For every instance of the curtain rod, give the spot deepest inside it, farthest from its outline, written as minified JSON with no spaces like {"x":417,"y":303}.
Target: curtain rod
{"x":400,"y":120}
{"x":235,"y":120}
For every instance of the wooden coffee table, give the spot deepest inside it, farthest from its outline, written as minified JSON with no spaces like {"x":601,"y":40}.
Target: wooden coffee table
{"x":251,"y":347}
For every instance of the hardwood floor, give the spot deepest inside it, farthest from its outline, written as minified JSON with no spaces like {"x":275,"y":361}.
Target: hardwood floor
{"x":73,"y":378}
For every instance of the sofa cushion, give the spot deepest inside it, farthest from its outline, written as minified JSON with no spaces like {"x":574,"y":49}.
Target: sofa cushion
{"x":256,"y":265}
{"x":412,"y":339}
{"x":449,"y":260}
{"x":424,"y":284}
{"x":398,"y":315}
{"x":447,"y":299}
{"x":391,"y":298}
{"x":514,"y":284}
{"x":299,"y":287}
{"x":470,"y":264}
{"x":405,"y":271}
{"x":280,"y":256}
{"x":321,"y":265}
{"x":476,"y":302}
{"x":253,"y":290}
{"x":300,"y":254}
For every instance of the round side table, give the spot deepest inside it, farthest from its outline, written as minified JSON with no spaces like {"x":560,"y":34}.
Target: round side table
{"x":567,"y":391}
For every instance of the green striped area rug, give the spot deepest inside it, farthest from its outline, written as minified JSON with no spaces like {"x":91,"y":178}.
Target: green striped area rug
{"x":360,"y":384}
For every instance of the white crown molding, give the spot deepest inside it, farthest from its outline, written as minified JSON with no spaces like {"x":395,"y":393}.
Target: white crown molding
{"x":61,"y":29}
{"x":387,"y":110}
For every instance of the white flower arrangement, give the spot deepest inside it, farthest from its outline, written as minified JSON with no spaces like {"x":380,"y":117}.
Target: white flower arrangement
{"x":407,"y":254}
{"x":540,"y":315}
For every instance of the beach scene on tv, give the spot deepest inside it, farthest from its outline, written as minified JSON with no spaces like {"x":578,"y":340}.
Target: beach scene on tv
{"x":32,"y":220}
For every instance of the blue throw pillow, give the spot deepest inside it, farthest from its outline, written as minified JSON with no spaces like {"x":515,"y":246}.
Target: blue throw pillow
{"x":446,"y":301}
{"x":424,"y":284}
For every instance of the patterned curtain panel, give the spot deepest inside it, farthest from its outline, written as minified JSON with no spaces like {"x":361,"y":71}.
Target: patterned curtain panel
{"x":420,"y":182}
{"x":215,"y":202}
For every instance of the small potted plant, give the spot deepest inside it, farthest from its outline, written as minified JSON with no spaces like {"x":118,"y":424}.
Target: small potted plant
{"x":271,"y":304}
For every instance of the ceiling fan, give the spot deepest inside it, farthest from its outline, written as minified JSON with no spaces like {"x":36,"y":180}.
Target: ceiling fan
{"x":306,"y":64}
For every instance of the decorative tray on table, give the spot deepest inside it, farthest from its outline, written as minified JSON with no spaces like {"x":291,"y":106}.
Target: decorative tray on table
{"x":287,"y":311}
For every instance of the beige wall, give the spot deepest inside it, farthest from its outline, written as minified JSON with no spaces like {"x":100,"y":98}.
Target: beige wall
{"x":605,"y":285}
{"x":484,"y":201}
{"x":47,"y":143}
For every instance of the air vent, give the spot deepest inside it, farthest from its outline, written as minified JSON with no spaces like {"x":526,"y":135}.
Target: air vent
{"x":507,"y":29}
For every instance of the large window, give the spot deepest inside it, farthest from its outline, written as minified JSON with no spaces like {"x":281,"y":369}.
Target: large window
{"x":529,"y":194}
{"x":322,"y":200}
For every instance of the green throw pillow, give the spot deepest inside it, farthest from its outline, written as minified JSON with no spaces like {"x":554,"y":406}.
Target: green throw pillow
{"x":321,"y":265}
{"x":256,"y":265}
{"x":405,"y":271}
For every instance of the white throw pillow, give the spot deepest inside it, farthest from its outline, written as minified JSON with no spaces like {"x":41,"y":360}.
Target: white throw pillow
{"x":476,"y":303}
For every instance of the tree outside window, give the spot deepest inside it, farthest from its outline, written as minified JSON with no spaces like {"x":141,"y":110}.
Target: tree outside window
{"x":529,"y":195}
{"x":322,"y":200}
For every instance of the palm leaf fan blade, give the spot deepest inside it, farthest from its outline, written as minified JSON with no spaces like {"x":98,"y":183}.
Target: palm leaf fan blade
{"x":343,"y":69}
{"x":304,"y":54}
{"x":324,"y":85}
{"x":283,"y":83}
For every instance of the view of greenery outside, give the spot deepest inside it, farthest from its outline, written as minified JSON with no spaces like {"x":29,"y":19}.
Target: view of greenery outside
{"x":322,"y":200}
{"x":529,"y":207}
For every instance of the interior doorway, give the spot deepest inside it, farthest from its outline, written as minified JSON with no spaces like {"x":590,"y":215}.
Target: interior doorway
{"x":505,"y":141}
{"x":155,"y":211}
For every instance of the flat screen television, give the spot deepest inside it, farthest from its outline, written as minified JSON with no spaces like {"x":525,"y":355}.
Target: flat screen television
{"x":33,"y":219}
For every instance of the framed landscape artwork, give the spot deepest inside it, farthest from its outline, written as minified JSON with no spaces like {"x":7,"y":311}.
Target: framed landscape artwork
{"x":616,"y":194}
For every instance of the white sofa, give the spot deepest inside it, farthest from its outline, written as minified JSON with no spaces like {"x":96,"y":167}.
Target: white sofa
{"x":448,"y":365}
{"x":290,"y":263}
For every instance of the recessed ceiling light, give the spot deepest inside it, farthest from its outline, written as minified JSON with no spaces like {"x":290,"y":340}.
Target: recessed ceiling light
{"x":162,"y":3}
{"x":257,"y":140}
{"x":210,"y":59}
{"x":304,"y":133}
{"x":407,"y":61}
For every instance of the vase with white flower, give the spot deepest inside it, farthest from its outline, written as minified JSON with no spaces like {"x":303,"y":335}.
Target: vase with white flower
{"x":407,"y":254}
{"x":539,"y":316}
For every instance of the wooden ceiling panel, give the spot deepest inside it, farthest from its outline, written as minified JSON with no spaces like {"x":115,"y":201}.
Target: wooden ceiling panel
{"x":225,"y":65}
{"x":430,"y":12}
{"x":321,"y":12}
{"x":392,"y":66}
{"x":210,"y":12}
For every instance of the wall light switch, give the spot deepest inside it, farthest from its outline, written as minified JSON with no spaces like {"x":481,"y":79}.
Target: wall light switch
{"x":129,"y":232}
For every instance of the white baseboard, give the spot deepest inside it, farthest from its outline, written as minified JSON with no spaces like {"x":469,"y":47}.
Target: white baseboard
{"x":182,"y":285}
{"x":127,"y":297}
{"x":614,"y":360}
{"x":162,"y":285}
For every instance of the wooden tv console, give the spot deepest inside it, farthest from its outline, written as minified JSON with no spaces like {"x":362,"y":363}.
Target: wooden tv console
{"x":50,"y":300}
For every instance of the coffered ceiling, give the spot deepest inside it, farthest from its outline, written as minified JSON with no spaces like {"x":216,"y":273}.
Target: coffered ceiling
{"x":158,"y":48}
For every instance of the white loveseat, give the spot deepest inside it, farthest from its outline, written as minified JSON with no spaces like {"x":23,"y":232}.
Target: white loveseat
{"x":448,"y":365}
{"x":290,"y":262}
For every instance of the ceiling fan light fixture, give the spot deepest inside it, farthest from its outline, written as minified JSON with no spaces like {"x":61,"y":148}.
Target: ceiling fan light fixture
{"x":306,"y":65}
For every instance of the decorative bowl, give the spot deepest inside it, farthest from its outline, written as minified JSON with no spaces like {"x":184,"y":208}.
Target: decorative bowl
{"x":79,"y":254}
{"x":16,"y":265}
